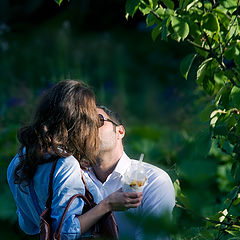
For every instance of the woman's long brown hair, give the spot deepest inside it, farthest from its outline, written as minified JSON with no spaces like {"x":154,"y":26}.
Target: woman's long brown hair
{"x":65,"y":123}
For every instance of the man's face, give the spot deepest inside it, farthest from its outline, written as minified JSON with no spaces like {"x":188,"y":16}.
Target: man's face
{"x":107,"y":133}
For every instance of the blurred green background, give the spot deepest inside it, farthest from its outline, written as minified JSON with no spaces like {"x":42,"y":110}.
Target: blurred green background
{"x":42,"y":43}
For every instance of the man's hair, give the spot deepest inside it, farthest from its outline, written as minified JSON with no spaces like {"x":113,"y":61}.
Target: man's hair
{"x":113,"y":115}
{"x":65,"y":123}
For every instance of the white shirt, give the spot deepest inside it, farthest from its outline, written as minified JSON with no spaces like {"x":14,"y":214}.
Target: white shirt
{"x":158,"y":194}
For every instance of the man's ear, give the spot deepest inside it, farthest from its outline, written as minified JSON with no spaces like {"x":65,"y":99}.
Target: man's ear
{"x":120,"y":132}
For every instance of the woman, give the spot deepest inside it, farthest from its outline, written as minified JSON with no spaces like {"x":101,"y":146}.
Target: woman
{"x":65,"y":126}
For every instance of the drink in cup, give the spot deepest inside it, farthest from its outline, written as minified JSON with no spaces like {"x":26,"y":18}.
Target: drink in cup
{"x":134,"y":179}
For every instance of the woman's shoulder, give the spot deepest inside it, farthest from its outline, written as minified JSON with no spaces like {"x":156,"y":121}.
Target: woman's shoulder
{"x":68,"y":171}
{"x":69,"y":163}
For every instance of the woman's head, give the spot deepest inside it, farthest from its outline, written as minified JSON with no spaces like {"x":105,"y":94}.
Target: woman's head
{"x":65,"y":123}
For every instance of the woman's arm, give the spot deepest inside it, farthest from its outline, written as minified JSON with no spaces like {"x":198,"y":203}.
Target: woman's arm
{"x":116,"y":201}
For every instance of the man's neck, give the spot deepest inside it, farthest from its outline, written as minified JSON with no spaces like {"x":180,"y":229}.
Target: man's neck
{"x":107,"y":161}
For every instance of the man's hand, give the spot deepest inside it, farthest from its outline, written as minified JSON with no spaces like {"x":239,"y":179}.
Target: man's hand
{"x":119,"y":201}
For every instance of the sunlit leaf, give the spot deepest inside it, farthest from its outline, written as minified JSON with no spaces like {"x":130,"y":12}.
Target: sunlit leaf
{"x":230,"y":5}
{"x":186,"y":64}
{"x":210,"y":23}
{"x":151,"y":19}
{"x":156,"y":31}
{"x":165,"y":24}
{"x":184,"y":3}
{"x":180,"y":27}
{"x":131,"y":7}
{"x":177,"y":188}
{"x":235,"y":96}
{"x":168,"y":3}
{"x":222,"y":97}
{"x":208,"y":5}
{"x":220,"y":78}
{"x":145,"y":10}
{"x":202,"y":70}
{"x":58,"y":2}
{"x":237,"y":201}
{"x":160,"y":12}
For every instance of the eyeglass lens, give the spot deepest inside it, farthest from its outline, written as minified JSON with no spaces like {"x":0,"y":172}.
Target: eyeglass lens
{"x":101,"y":120}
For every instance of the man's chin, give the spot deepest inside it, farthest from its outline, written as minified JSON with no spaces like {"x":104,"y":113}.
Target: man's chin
{"x":103,"y":149}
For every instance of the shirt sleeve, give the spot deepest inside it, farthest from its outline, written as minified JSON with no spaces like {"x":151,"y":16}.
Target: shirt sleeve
{"x":26,"y":224}
{"x":67,"y":182}
{"x":158,"y":199}
{"x":158,"y":195}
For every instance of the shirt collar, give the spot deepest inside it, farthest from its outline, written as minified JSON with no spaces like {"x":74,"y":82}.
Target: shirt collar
{"x":123,"y":164}
{"x":121,"y":167}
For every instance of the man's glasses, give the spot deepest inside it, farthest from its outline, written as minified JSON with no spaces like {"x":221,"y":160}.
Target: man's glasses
{"x":102,"y":119}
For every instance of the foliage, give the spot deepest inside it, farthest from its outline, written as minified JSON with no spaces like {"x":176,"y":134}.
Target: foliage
{"x":205,"y":167}
{"x":119,"y":74}
{"x":213,"y":29}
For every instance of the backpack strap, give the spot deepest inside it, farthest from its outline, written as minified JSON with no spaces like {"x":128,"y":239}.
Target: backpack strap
{"x":34,"y":197}
{"x":58,"y":231}
{"x":50,"y":189}
{"x":88,"y":194}
{"x":89,"y":201}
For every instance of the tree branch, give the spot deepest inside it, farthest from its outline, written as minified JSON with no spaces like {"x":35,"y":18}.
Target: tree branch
{"x":198,"y":46}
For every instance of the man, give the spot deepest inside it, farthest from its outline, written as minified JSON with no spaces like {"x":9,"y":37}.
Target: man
{"x":158,"y":194}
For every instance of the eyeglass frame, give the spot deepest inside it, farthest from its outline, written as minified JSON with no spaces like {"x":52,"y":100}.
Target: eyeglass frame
{"x":102,"y":120}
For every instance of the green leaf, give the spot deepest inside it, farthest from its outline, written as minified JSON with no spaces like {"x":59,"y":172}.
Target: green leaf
{"x":234,"y":233}
{"x":169,"y":12}
{"x":202,"y":70}
{"x":131,"y":7}
{"x":220,"y":130}
{"x":221,"y":12}
{"x":233,"y":28}
{"x":220,"y":78}
{"x":156,"y":31}
{"x":184,"y":3}
{"x":208,"y":85}
{"x":177,"y":188}
{"x":236,"y":171}
{"x":160,"y":12}
{"x":58,"y":2}
{"x":210,"y":23}
{"x":230,"y":5}
{"x":235,"y":96}
{"x":145,"y":10}
{"x":236,"y":202}
{"x":184,"y":200}
{"x":233,"y":194}
{"x":180,"y":27}
{"x":231,"y":52}
{"x":208,"y":5}
{"x":168,"y":3}
{"x":193,"y":3}
{"x":165,"y":24}
{"x":155,"y":3}
{"x":204,"y":115}
{"x":222,"y":97}
{"x":150,"y":20}
{"x":150,"y":3}
{"x":186,"y":64}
